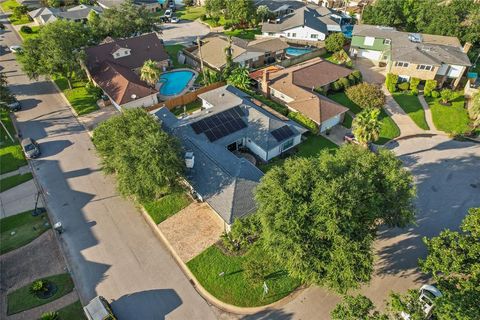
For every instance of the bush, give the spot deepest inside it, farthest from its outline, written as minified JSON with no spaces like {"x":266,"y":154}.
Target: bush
{"x":203,"y":17}
{"x":429,"y":86}
{"x":366,"y":95}
{"x":414,"y":92}
{"x":344,"y":83}
{"x":358,"y":75}
{"x":435,"y":94}
{"x":336,"y":86}
{"x":352,"y":79}
{"x":414,"y":82}
{"x":93,"y":90}
{"x":321,"y":90}
{"x":20,"y":11}
{"x":228,"y":25}
{"x":391,"y":82}
{"x":349,"y":64}
{"x":38,"y":286}
{"x":334,"y":42}
{"x":50,"y":316}
{"x":447,"y":95}
{"x":26,"y":29}
{"x":403,"y":86}
{"x":304,"y":121}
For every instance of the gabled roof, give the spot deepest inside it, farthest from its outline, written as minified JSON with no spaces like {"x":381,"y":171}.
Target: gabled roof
{"x":279,"y":5}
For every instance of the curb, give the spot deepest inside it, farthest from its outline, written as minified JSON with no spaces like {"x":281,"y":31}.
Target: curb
{"x":207,"y":296}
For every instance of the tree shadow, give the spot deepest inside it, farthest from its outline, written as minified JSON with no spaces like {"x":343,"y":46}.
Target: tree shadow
{"x":269,"y":314}
{"x":51,"y":148}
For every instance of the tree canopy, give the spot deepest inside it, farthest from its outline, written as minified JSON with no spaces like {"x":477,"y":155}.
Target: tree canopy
{"x":150,"y":72}
{"x":240,"y":78}
{"x":366,"y":95}
{"x":366,"y":126}
{"x":320,"y":215}
{"x":145,"y":159}
{"x":334,"y":42}
{"x":356,"y":308}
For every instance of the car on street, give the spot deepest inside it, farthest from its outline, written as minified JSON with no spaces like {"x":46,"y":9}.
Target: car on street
{"x":30,"y":148}
{"x":174,"y":19}
{"x":428,"y":294}
{"x":168,"y":13}
{"x":15,"y":49}
{"x":171,"y":5}
{"x":99,"y":309}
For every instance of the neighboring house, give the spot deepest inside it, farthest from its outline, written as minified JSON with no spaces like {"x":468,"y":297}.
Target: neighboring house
{"x":115,"y":66}
{"x":280,"y":8}
{"x":308,"y":23}
{"x":422,"y":56}
{"x":151,"y":5}
{"x":252,"y":54}
{"x":78,"y":14}
{"x":294,"y":87}
{"x":228,"y":122}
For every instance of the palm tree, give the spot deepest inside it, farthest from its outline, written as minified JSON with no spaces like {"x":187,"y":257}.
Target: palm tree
{"x":366,"y":126}
{"x":150,"y":72}
{"x":240,"y":78}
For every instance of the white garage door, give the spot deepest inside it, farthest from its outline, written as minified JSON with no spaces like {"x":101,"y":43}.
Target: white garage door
{"x":370,"y":54}
{"x":330,"y":123}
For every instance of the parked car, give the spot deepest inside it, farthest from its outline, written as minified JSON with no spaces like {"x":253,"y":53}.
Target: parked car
{"x":427,"y":296}
{"x":350,"y":138}
{"x":168,"y":13}
{"x":15,"y":49}
{"x":172,"y":6}
{"x":30,"y":148}
{"x":99,"y":309}
{"x":174,"y":19}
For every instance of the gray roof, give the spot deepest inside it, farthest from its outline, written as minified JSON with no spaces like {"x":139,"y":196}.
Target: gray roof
{"x":76,"y":13}
{"x":225,"y":181}
{"x":278,"y":5}
{"x":432,"y":49}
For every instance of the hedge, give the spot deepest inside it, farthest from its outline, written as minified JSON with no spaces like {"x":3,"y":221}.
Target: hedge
{"x":391,"y":82}
{"x":304,"y":121}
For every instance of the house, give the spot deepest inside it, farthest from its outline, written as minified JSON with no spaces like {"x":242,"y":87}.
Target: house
{"x":115,"y":65}
{"x":294,"y":88}
{"x":150,"y":5}
{"x":407,"y":55}
{"x":308,"y":23}
{"x":252,"y":54}
{"x":280,"y":8}
{"x":78,"y":14}
{"x":229,"y":121}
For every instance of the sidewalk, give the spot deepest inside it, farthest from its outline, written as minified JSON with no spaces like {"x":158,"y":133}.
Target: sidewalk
{"x":21,"y":170}
{"x":19,"y":199}
{"x":428,"y":115}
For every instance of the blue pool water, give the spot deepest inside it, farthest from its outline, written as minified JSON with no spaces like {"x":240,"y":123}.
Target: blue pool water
{"x":347,"y":31}
{"x":295,"y":51}
{"x":175,"y":82}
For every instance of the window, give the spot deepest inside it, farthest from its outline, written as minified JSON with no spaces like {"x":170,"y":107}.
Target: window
{"x":287,"y":144}
{"x":294,"y":35}
{"x":401,"y":64}
{"x":125,"y":52}
{"x":425,"y":67}
{"x":288,"y":34}
{"x":314,"y":36}
{"x":117,"y":54}
{"x":369,"y":41}
{"x":387,"y":41}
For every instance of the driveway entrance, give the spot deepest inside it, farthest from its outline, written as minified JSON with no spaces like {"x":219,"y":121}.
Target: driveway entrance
{"x":371,"y":73}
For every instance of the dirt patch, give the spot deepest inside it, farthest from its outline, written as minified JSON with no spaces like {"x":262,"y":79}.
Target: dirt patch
{"x":192,"y":230}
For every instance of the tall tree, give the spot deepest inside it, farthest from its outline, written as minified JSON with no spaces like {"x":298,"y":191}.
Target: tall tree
{"x":240,"y":12}
{"x":5,"y":94}
{"x":145,"y":159}
{"x":366,"y":126}
{"x":56,"y":51}
{"x":240,"y":78}
{"x":150,"y":72}
{"x":320,"y":215}
{"x":215,"y":8}
{"x":356,"y":308}
{"x":334,"y":42}
{"x":263,"y":13}
{"x":474,"y":110}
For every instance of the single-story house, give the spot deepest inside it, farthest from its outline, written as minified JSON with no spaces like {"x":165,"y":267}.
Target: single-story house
{"x":294,"y":88}
{"x":308,"y":23}
{"x":279,"y":8}
{"x":150,"y":5}
{"x":78,"y":13}
{"x":229,"y":121}
{"x":252,"y":54}
{"x":114,"y":66}
{"x":407,"y":55}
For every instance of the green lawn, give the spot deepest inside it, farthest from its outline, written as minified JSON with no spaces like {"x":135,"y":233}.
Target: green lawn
{"x":311,"y":147}
{"x":189,"y":108}
{"x":167,"y":206}
{"x":11,"y":154}
{"x":451,"y":119}
{"x":248,"y":34}
{"x":73,"y":311}
{"x":190,"y":13}
{"x":21,"y":20}
{"x":411,"y":105}
{"x":26,"y":228}
{"x":21,"y":299}
{"x":8,"y":5}
{"x":341,"y":98}
{"x":34,"y":33}
{"x":172,"y":51}
{"x":81,"y":100}
{"x":13,"y":181}
{"x":232,"y":287}
{"x":347,"y":121}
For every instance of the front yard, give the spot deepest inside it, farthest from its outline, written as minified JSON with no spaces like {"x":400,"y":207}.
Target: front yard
{"x":190,"y":13}
{"x":232,"y":287}
{"x":15,"y":180}
{"x":80,"y":98}
{"x":247,"y":34}
{"x":32,"y":34}
{"x":451,"y":119}
{"x":165,"y":207}
{"x":411,"y":105}
{"x":8,"y":6}
{"x":11,"y":154}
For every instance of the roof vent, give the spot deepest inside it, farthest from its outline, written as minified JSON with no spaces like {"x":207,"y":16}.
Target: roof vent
{"x":189,"y":159}
{"x":415,"y":37}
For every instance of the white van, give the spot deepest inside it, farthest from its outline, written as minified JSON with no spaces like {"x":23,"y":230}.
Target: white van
{"x":99,"y":309}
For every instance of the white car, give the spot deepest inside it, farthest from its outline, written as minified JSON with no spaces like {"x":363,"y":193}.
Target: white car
{"x":15,"y":49}
{"x":428,"y":293}
{"x":168,"y":13}
{"x":174,"y":19}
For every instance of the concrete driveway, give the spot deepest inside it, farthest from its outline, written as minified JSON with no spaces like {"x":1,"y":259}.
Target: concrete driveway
{"x":371,"y":72}
{"x":183,"y":32}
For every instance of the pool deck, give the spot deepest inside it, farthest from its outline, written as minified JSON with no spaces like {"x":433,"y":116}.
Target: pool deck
{"x":187,"y":87}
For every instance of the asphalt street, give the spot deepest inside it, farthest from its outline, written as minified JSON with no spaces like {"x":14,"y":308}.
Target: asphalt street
{"x":111,"y":249}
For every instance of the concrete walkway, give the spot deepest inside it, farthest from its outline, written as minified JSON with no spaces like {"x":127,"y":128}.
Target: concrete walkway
{"x":336,"y":134}
{"x":428,"y":115}
{"x":21,"y":170}
{"x":93,"y":119}
{"x":404,"y":122}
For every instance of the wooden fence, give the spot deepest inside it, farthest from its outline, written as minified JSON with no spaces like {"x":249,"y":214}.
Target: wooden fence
{"x":186,"y":98}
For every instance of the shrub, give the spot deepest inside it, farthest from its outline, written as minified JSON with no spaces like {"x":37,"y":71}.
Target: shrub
{"x":391,"y":82}
{"x":429,"y":86}
{"x":228,"y":25}
{"x":334,"y":42}
{"x":38,"y":286}
{"x":341,"y":56}
{"x":229,"y":243}
{"x":352,"y":79}
{"x":336,"y":86}
{"x":203,"y":17}
{"x":50,"y":316}
{"x":304,"y":121}
{"x":26,"y":29}
{"x":447,"y":95}
{"x":93,"y":90}
{"x":358,"y":75}
{"x":321,"y":90}
{"x":414,"y":82}
{"x":414,"y":92}
{"x":20,"y":11}
{"x":403,"y":86}
{"x":366,"y":95}
{"x":344,"y":83}
{"x":435,"y":94}
{"x":245,"y":231}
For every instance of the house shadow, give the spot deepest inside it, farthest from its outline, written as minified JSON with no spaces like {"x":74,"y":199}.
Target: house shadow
{"x":28,"y":104}
{"x":147,"y":305}
{"x":51,"y":148}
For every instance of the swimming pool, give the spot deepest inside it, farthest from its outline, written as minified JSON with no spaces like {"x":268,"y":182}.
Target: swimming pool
{"x":174,"y":82}
{"x":296,"y":51}
{"x":347,"y":31}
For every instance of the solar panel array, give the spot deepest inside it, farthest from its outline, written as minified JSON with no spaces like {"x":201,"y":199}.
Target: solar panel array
{"x":282,"y":133}
{"x":221,"y":124}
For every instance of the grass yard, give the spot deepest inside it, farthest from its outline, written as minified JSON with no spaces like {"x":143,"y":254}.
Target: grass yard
{"x":165,"y":207}
{"x":451,"y":119}
{"x":21,"y":20}
{"x":189,"y":108}
{"x":8,"y":5}
{"x":13,"y":181}
{"x":311,"y":147}
{"x":341,"y":98}
{"x":190,"y":13}
{"x":411,"y":105}
{"x":347,"y":121}
{"x":11,"y":154}
{"x":21,"y":299}
{"x":81,"y":100}
{"x":33,"y":34}
{"x":73,"y":311}
{"x":233,"y":288}
{"x":26,"y":228}
{"x":172,"y":51}
{"x":248,"y":34}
